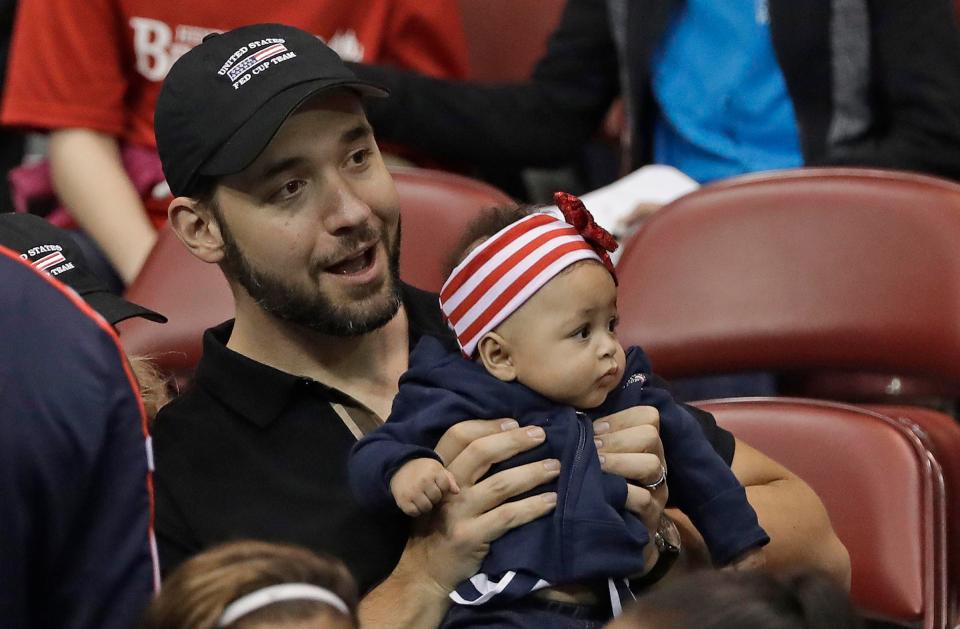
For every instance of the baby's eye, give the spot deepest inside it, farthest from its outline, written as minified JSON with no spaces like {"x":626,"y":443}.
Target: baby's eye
{"x":614,"y":322}
{"x":583,"y":332}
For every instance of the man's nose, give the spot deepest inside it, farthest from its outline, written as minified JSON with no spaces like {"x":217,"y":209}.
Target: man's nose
{"x":348,"y":210}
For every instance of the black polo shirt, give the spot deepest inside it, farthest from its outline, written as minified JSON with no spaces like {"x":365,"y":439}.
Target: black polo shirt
{"x":253,"y":452}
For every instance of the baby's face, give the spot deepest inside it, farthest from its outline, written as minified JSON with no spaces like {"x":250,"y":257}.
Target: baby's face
{"x":562,"y":339}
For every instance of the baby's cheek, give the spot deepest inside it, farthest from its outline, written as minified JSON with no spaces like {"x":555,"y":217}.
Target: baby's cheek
{"x":621,"y":357}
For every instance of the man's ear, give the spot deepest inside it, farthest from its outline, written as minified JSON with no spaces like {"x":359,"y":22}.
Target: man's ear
{"x":197,"y":228}
{"x":494,"y":352}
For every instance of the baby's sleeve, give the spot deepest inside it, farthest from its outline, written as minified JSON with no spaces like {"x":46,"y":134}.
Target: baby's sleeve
{"x":421,"y":414}
{"x":703,"y":486}
{"x":701,"y":483}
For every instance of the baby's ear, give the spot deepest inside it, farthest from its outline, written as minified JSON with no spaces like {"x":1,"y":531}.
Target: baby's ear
{"x":494,"y":353}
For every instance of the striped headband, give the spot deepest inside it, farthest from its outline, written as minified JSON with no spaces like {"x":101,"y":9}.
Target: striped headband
{"x":505,"y":270}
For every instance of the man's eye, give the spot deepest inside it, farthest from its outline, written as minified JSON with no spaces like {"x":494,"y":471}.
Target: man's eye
{"x":291,"y":188}
{"x":360,"y":157}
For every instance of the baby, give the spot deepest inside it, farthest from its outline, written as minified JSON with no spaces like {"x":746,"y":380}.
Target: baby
{"x":534,"y":309}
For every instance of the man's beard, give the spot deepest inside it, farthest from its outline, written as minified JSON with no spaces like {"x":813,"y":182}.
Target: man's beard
{"x":315,"y":310}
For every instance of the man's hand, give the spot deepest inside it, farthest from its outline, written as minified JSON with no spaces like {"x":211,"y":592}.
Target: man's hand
{"x":419,"y":485}
{"x":448,"y":545}
{"x":465,"y":524}
{"x":629,"y":445}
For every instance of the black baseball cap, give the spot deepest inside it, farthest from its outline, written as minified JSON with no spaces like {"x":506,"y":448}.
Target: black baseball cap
{"x":223,"y":101}
{"x":53,"y":250}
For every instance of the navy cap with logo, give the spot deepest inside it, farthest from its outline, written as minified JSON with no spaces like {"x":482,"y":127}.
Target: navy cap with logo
{"x":53,"y":250}
{"x":223,"y":101}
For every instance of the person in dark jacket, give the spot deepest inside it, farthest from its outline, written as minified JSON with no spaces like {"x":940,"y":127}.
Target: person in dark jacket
{"x":853,"y":82}
{"x":77,"y":548}
{"x":534,"y":309}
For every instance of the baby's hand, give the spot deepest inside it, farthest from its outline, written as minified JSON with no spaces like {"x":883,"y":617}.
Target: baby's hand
{"x":421,"y":484}
{"x":753,"y":559}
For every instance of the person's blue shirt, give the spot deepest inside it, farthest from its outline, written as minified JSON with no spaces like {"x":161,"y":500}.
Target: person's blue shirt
{"x":724,"y":105}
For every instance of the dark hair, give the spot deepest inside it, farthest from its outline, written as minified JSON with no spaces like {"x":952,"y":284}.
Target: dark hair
{"x":205,"y":190}
{"x":195,"y":594}
{"x":732,"y":600}
{"x":487,"y":223}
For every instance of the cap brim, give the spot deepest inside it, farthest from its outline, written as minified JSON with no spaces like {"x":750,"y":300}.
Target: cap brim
{"x":116,"y":309}
{"x":247,"y":142}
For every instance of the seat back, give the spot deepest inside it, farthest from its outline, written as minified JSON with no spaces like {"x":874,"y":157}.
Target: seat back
{"x":435,"y":208}
{"x":881,"y":487}
{"x":193,"y":295}
{"x":940,"y":434}
{"x":506,"y":38}
{"x":800,"y":271}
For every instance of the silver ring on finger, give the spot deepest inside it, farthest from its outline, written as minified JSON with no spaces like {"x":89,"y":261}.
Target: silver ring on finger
{"x":655,"y":485}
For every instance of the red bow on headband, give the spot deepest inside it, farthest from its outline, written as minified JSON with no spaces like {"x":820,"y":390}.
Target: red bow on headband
{"x":576,"y":213}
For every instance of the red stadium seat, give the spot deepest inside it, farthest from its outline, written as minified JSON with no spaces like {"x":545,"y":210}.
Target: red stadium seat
{"x":435,"y":206}
{"x":845,"y":281}
{"x":505,"y":38}
{"x":882,"y":488}
{"x":800,"y":272}
{"x":941,"y":435}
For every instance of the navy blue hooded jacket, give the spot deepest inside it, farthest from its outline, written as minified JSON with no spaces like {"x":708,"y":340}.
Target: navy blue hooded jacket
{"x":590,"y":534}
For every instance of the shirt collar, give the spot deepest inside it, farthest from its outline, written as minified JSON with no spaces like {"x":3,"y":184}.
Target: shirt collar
{"x":260,"y":393}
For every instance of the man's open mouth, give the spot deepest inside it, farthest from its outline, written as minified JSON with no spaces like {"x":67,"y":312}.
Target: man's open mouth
{"x":357,"y":263}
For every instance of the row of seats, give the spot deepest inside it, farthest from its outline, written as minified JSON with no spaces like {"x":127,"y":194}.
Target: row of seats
{"x":885,"y":491}
{"x":796,"y":272}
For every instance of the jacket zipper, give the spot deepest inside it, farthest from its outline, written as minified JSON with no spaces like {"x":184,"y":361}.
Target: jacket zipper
{"x":577,"y":459}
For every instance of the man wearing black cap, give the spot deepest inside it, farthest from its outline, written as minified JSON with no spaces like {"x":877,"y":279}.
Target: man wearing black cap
{"x":279,"y":181}
{"x":76,"y":548}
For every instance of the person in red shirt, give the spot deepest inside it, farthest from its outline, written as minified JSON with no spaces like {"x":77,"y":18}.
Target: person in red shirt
{"x":90,"y":72}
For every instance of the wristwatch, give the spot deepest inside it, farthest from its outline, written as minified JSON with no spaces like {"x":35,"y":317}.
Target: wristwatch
{"x":667,"y":541}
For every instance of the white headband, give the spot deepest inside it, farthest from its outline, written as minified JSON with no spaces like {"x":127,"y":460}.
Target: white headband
{"x":259,"y":599}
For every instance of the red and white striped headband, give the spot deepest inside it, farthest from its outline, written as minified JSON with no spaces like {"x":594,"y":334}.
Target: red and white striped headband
{"x":505,"y":270}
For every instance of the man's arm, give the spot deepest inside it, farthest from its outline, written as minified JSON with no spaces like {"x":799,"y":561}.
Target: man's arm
{"x":540,"y":122}
{"x":449,"y":544}
{"x":89,"y":178}
{"x":801,"y":536}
